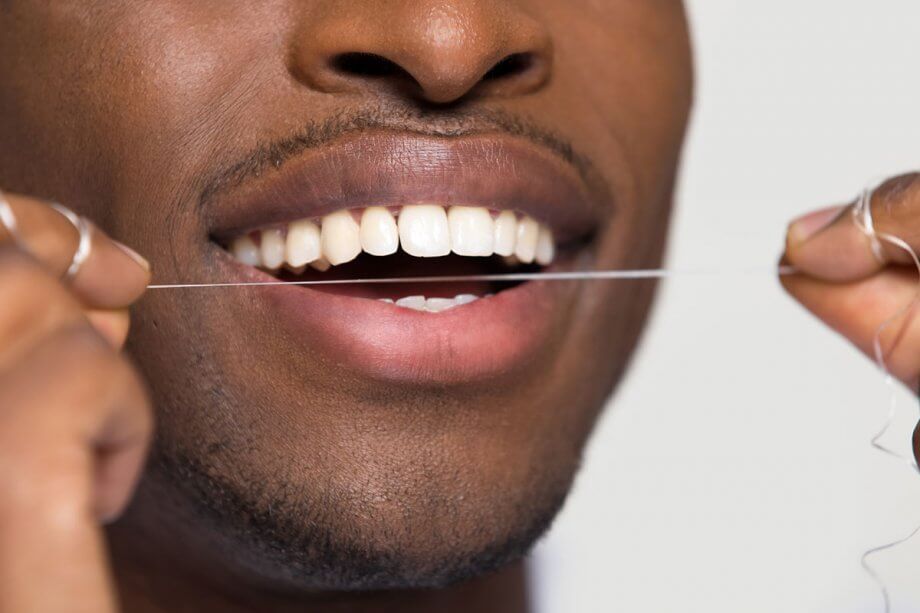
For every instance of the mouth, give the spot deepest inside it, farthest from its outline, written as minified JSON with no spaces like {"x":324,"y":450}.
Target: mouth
{"x":395,"y":205}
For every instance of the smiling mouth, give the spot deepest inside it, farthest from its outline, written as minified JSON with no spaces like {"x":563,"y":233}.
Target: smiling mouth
{"x":413,"y":240}
{"x":395,"y":204}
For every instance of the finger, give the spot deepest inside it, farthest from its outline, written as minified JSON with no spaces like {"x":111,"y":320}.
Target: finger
{"x":112,"y":277}
{"x":112,"y":325}
{"x":70,"y":453}
{"x":73,"y":393}
{"x":35,"y":303}
{"x":36,"y":308}
{"x":830,"y":244}
{"x":858,"y":309}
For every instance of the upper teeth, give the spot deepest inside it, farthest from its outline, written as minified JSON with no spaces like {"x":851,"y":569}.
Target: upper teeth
{"x":421,"y":230}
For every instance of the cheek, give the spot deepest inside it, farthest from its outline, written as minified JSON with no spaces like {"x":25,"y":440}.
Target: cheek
{"x":73,"y":106}
{"x":625,"y":66}
{"x":98,"y":101}
{"x":622,"y":89}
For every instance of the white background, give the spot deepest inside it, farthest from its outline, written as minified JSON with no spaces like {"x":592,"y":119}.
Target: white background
{"x":732,"y":471}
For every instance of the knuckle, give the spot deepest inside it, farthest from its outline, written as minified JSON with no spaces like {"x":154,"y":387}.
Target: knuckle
{"x":896,"y":207}
{"x":75,"y":353}
{"x":18,"y":267}
{"x":114,"y":372}
{"x":43,"y":416}
{"x":27,"y":290}
{"x":92,"y":353}
{"x":127,"y":376}
{"x":89,"y":378}
{"x":899,"y":192}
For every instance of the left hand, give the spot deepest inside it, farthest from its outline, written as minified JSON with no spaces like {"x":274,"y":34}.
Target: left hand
{"x":845,"y":284}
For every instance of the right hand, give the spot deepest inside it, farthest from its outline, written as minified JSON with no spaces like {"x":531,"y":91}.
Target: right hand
{"x":75,"y":421}
{"x":854,"y":290}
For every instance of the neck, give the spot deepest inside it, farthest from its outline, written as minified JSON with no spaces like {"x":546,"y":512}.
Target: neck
{"x":150,"y":583}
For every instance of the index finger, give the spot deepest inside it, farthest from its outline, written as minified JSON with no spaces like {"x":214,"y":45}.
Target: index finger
{"x":112,"y":275}
{"x":833,"y":244}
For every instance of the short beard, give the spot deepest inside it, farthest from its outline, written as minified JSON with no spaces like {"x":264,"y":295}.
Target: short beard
{"x":286,"y":541}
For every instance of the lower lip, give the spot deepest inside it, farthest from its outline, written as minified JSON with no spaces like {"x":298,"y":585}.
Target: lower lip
{"x":487,"y":338}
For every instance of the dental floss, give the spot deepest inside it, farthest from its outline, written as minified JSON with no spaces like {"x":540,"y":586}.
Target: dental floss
{"x":862,"y":216}
{"x":588,"y":275}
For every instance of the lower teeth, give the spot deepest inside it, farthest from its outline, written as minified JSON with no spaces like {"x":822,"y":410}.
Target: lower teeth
{"x":432,"y":305}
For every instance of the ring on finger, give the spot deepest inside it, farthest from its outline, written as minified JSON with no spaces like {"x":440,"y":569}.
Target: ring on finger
{"x":85,"y":246}
{"x":862,"y":215}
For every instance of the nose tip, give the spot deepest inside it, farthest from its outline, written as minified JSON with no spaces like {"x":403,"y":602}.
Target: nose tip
{"x":440,"y":52}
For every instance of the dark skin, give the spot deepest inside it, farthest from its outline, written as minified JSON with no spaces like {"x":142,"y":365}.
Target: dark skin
{"x":280,"y":479}
{"x":138,"y":106}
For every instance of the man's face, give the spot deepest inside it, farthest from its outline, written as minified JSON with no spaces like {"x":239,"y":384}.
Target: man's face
{"x":318,"y":436}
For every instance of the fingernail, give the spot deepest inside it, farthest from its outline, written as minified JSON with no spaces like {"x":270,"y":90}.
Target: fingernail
{"x":805,"y":227}
{"x":134,"y":255}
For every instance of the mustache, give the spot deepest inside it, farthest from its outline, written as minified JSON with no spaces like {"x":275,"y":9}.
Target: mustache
{"x":452,"y":124}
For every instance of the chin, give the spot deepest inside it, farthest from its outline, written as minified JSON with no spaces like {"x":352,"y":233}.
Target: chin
{"x":415,"y":529}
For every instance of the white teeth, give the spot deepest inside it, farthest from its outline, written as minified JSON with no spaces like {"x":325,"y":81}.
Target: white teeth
{"x":245,"y":250}
{"x":432,"y":305}
{"x":436,"y":305}
{"x":528,"y":234}
{"x":379,"y":234}
{"x":505,"y":233}
{"x":416,"y":303}
{"x":303,"y":243}
{"x":424,"y":231}
{"x":546,"y":247}
{"x":472,"y":231}
{"x":341,"y":238}
{"x":272,"y":249}
{"x":465,"y":299}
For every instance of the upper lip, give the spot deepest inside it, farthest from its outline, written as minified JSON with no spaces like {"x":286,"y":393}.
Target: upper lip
{"x":392,"y":168}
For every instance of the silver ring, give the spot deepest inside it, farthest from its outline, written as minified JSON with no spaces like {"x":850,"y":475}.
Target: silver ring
{"x":84,"y":248}
{"x":8,"y":220}
{"x":862,"y":215}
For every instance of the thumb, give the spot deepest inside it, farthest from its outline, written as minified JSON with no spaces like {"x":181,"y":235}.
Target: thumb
{"x":833,"y":245}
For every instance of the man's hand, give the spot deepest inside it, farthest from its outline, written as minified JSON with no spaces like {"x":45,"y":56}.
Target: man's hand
{"x":74,"y":417}
{"x":853,"y":290}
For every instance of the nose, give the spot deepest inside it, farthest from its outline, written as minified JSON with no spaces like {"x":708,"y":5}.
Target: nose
{"x":438,"y":51}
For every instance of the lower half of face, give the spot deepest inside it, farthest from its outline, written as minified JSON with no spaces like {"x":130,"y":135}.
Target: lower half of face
{"x":356,"y":435}
{"x":335,"y":439}
{"x":330,"y":478}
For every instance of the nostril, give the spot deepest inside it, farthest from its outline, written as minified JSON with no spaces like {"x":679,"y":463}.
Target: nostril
{"x":513,"y":65}
{"x":369,"y":65}
{"x":437,"y":79}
